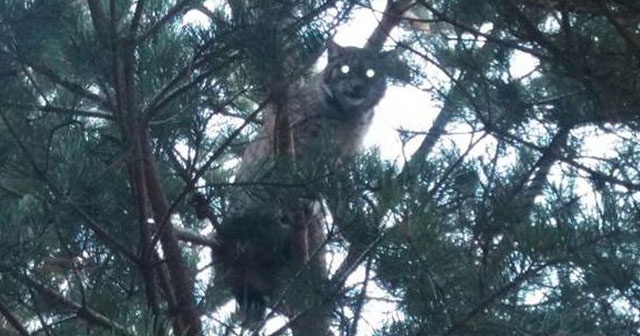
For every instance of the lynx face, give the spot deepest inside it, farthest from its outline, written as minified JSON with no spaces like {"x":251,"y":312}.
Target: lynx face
{"x":353,"y":79}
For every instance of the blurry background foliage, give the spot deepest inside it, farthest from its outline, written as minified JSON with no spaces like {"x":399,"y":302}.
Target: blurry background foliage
{"x":516,"y":215}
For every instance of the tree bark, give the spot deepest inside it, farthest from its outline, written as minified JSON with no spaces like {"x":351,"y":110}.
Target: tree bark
{"x":145,"y":179}
{"x":181,"y":282}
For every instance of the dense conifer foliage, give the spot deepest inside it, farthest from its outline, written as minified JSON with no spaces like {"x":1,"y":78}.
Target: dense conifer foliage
{"x":121,"y":124}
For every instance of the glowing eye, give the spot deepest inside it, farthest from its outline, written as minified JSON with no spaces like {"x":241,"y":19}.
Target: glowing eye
{"x":370,"y":73}
{"x":345,"y":69}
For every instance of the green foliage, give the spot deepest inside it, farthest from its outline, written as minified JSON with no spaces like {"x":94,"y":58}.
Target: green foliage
{"x":523,"y":228}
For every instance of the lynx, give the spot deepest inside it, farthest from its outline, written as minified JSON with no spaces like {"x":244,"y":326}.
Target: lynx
{"x":266,"y":233}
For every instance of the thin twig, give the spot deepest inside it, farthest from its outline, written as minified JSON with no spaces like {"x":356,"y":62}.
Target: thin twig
{"x":12,"y":319}
{"x":82,"y":311}
{"x":171,"y":14}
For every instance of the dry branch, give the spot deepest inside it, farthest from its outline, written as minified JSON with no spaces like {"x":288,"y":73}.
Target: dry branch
{"x":81,"y":310}
{"x":390,"y":19}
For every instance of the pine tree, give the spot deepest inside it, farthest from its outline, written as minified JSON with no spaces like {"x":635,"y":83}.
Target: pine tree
{"x":120,"y":123}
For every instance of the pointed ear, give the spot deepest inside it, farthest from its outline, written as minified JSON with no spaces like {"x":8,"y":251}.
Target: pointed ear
{"x":334,"y":50}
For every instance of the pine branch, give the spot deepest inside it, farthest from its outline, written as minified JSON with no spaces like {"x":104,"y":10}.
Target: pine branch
{"x":601,"y":176}
{"x":532,"y":32}
{"x":100,"y":22}
{"x":356,"y":256}
{"x":96,"y":228}
{"x":193,"y":237}
{"x":493,"y":298}
{"x":149,"y":259}
{"x":81,"y":310}
{"x":162,"y":275}
{"x":137,"y":15}
{"x":175,"y":158}
{"x":12,"y":319}
{"x":164,"y":98}
{"x":459,"y":161}
{"x":146,"y":250}
{"x":178,"y":270}
{"x":104,"y":235}
{"x":146,"y":182}
{"x":390,"y":19}
{"x":437,"y":130}
{"x":161,"y":98}
{"x":353,"y":329}
{"x":30,"y":158}
{"x":510,"y":44}
{"x":207,"y":165}
{"x":13,"y":192}
{"x":308,"y":17}
{"x":592,"y":172}
{"x":76,"y":112}
{"x":550,"y":155}
{"x":446,"y":114}
{"x":60,"y":110}
{"x":70,"y":86}
{"x":300,"y":317}
{"x":171,"y":14}
{"x":624,"y":32}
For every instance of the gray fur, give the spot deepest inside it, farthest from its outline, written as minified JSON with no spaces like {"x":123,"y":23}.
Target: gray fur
{"x":329,"y":116}
{"x":332,"y":109}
